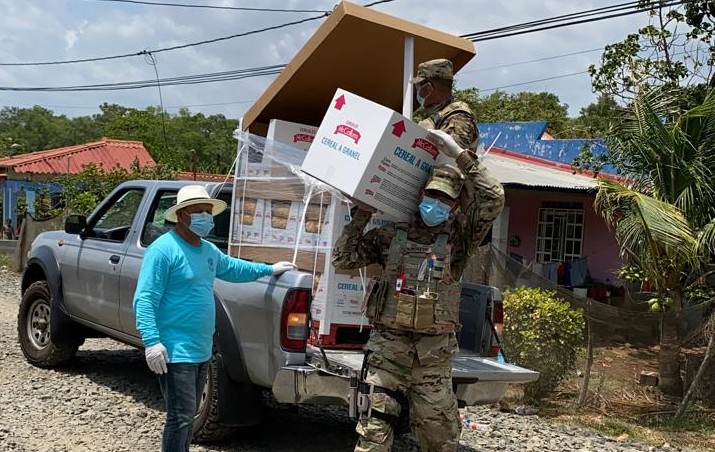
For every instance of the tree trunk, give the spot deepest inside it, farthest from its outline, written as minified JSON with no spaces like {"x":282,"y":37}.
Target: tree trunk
{"x":698,"y":377}
{"x":670,"y":381}
{"x":589,"y":363}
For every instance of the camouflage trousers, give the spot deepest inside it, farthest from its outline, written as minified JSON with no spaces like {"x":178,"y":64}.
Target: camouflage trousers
{"x":418,"y":366}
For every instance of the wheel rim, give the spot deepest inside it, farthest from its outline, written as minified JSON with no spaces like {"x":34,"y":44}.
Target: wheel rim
{"x":38,"y":324}
{"x":205,"y":394}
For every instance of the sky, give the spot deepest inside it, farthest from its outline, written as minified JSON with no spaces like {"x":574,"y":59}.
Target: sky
{"x":53,"y":30}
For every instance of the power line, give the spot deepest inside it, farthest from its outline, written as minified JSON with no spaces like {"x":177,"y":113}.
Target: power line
{"x":564,"y":21}
{"x":377,"y":3}
{"x":519,"y":63}
{"x":571,"y":74}
{"x":495,"y":33}
{"x":170,"y":81}
{"x":234,"y":76}
{"x":182,"y":46}
{"x":230,"y":8}
{"x":166,"y":49}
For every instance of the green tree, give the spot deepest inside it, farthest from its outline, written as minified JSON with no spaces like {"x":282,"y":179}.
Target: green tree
{"x":675,"y":49}
{"x":519,"y":107}
{"x":594,"y":120}
{"x":664,"y":218}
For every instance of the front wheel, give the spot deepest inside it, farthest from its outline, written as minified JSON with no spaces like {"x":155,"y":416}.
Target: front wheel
{"x":33,"y":329}
{"x":206,"y":425}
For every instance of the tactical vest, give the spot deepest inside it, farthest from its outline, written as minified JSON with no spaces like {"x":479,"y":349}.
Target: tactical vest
{"x":425,"y":304}
{"x":435,"y":120}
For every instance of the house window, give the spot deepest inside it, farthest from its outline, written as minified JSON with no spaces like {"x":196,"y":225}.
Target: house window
{"x":560,"y":232}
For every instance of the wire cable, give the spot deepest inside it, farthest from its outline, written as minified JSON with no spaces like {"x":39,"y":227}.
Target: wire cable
{"x":166,"y":49}
{"x":495,"y":33}
{"x":563,"y":21}
{"x":230,"y":8}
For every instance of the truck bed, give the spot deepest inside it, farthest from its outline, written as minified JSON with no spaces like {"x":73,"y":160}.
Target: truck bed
{"x":477,"y":380}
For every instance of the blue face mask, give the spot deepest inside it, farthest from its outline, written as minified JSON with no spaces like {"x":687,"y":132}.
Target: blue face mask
{"x":420,"y":98}
{"x":433,"y":212}
{"x":201,"y":223}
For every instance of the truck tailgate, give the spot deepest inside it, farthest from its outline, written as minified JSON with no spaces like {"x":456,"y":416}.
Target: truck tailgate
{"x":477,"y":380}
{"x":466,"y":366}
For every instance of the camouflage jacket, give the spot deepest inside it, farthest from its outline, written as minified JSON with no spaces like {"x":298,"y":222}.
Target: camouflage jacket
{"x":456,"y":119}
{"x":481,"y":201}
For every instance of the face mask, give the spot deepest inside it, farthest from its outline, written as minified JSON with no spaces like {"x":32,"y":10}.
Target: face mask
{"x":433,"y":212}
{"x":420,"y":98}
{"x":201,"y":223}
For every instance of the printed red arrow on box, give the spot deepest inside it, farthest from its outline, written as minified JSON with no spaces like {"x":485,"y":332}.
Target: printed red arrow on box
{"x":399,"y":128}
{"x":340,"y":102}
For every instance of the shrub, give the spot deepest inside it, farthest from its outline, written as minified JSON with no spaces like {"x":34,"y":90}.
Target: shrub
{"x":541,"y":333}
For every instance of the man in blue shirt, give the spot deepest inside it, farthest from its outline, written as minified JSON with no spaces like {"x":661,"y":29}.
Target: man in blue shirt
{"x":174,"y":306}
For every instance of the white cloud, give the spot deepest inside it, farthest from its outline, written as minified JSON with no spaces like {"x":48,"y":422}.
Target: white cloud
{"x":37,"y":30}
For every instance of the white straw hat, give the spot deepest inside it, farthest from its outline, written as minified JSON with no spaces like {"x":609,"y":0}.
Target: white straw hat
{"x":190,"y":195}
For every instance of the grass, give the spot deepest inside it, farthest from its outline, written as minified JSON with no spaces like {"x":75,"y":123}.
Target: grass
{"x":618,"y":407}
{"x":6,"y":260}
{"x":615,"y":428}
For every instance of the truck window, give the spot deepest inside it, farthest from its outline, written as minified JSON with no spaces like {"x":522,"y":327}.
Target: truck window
{"x":116,"y":219}
{"x":155,"y":224}
{"x":219,"y":234}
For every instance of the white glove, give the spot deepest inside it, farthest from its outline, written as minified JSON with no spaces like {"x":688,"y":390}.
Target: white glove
{"x":444,"y":142}
{"x":281,"y":267}
{"x":156,"y":358}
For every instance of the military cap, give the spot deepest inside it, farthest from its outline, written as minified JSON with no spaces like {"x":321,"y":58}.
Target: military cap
{"x":447,"y":179}
{"x":436,"y":69}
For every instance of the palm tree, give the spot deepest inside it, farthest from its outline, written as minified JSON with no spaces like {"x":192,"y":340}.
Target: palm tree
{"x":662,"y":213}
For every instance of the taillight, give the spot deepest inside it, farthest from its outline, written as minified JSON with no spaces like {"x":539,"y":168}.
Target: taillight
{"x":294,"y":320}
{"x":498,"y":327}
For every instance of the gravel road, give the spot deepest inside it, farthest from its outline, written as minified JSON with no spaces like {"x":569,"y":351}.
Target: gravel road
{"x":106,"y":400}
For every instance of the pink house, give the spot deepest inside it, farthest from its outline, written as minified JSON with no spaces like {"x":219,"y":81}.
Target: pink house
{"x":549,"y":220}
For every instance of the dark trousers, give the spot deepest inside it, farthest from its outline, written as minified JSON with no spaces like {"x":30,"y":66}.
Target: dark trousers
{"x":181,"y":387}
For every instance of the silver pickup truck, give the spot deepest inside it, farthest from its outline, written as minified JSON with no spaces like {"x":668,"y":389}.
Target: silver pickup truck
{"x":80,"y":282}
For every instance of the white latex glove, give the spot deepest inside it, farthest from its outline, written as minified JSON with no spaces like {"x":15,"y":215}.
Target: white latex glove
{"x":444,"y":142}
{"x":281,"y":267}
{"x":156,"y":358}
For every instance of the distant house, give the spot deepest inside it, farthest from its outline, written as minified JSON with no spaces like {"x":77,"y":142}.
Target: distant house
{"x":549,"y":221}
{"x":22,"y":176}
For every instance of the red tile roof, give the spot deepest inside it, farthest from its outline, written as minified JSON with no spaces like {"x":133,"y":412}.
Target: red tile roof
{"x":107,"y":153}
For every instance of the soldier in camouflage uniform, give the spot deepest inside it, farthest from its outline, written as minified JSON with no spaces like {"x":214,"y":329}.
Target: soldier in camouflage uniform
{"x":414,"y":305}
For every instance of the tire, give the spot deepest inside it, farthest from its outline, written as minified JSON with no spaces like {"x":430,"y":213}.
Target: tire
{"x":206,"y":425}
{"x":33,"y":329}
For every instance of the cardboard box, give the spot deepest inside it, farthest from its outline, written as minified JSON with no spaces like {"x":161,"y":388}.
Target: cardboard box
{"x":248,"y":220}
{"x":298,"y":136}
{"x":373,"y":154}
{"x":346,"y":295}
{"x":280,"y":222}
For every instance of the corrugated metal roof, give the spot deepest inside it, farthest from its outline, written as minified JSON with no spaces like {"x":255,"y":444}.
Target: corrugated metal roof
{"x":517,"y":170}
{"x":530,"y":138}
{"x":106,"y":153}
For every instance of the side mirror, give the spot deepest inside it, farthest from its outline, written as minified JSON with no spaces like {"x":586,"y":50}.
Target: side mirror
{"x":75,"y":224}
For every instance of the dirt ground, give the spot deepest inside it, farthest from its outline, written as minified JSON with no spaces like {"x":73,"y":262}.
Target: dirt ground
{"x":620,"y":407}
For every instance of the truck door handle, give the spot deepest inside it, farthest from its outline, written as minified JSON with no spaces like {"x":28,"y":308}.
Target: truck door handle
{"x":114,"y":259}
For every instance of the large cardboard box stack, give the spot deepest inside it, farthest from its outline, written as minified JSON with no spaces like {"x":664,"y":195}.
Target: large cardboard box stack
{"x":372,"y":154}
{"x":364,"y":150}
{"x":299,"y":136}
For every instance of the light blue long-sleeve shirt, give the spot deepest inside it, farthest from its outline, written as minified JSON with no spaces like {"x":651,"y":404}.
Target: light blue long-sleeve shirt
{"x":174,"y":299}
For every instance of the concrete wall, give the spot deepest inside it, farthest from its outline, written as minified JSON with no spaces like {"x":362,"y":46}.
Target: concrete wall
{"x":598,"y":245}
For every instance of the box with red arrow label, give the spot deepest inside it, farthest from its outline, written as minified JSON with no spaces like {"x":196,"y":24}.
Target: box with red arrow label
{"x":373,"y":154}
